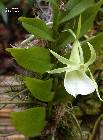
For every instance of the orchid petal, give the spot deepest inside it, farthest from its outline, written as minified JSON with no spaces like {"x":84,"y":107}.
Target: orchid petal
{"x":80,"y":52}
{"x":60,"y":70}
{"x":60,"y":58}
{"x":72,"y":33}
{"x":98,"y":93}
{"x":95,"y":84}
{"x":76,"y":82}
{"x":93,"y":55}
{"x":75,"y":57}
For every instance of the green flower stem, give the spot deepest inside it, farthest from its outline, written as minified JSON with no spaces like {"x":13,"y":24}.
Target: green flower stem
{"x":77,"y":123}
{"x":91,"y":137}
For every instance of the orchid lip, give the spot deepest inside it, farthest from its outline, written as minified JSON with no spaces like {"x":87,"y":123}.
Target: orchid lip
{"x":77,"y":82}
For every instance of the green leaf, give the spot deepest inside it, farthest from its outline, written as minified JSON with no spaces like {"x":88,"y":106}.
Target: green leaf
{"x":71,"y":4}
{"x":88,"y":17}
{"x":3,"y":13}
{"x":36,"y":59}
{"x":40,"y":89}
{"x":29,"y":122}
{"x":78,"y":9}
{"x":37,"y":27}
{"x":55,"y":15}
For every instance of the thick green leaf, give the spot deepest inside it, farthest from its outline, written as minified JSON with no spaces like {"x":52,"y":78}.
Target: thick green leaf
{"x":88,"y":17}
{"x":36,"y":59}
{"x":29,"y":122}
{"x":55,"y":15}
{"x":71,"y":4}
{"x":40,"y":89}
{"x":3,"y":12}
{"x":37,"y":27}
{"x":78,"y":9}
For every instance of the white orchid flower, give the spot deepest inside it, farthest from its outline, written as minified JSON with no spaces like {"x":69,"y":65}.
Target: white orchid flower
{"x":76,"y":80}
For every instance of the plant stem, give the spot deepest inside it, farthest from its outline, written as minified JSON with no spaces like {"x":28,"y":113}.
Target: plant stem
{"x":27,"y":40}
{"x":75,"y":119}
{"x":91,"y":137}
{"x":17,"y":102}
